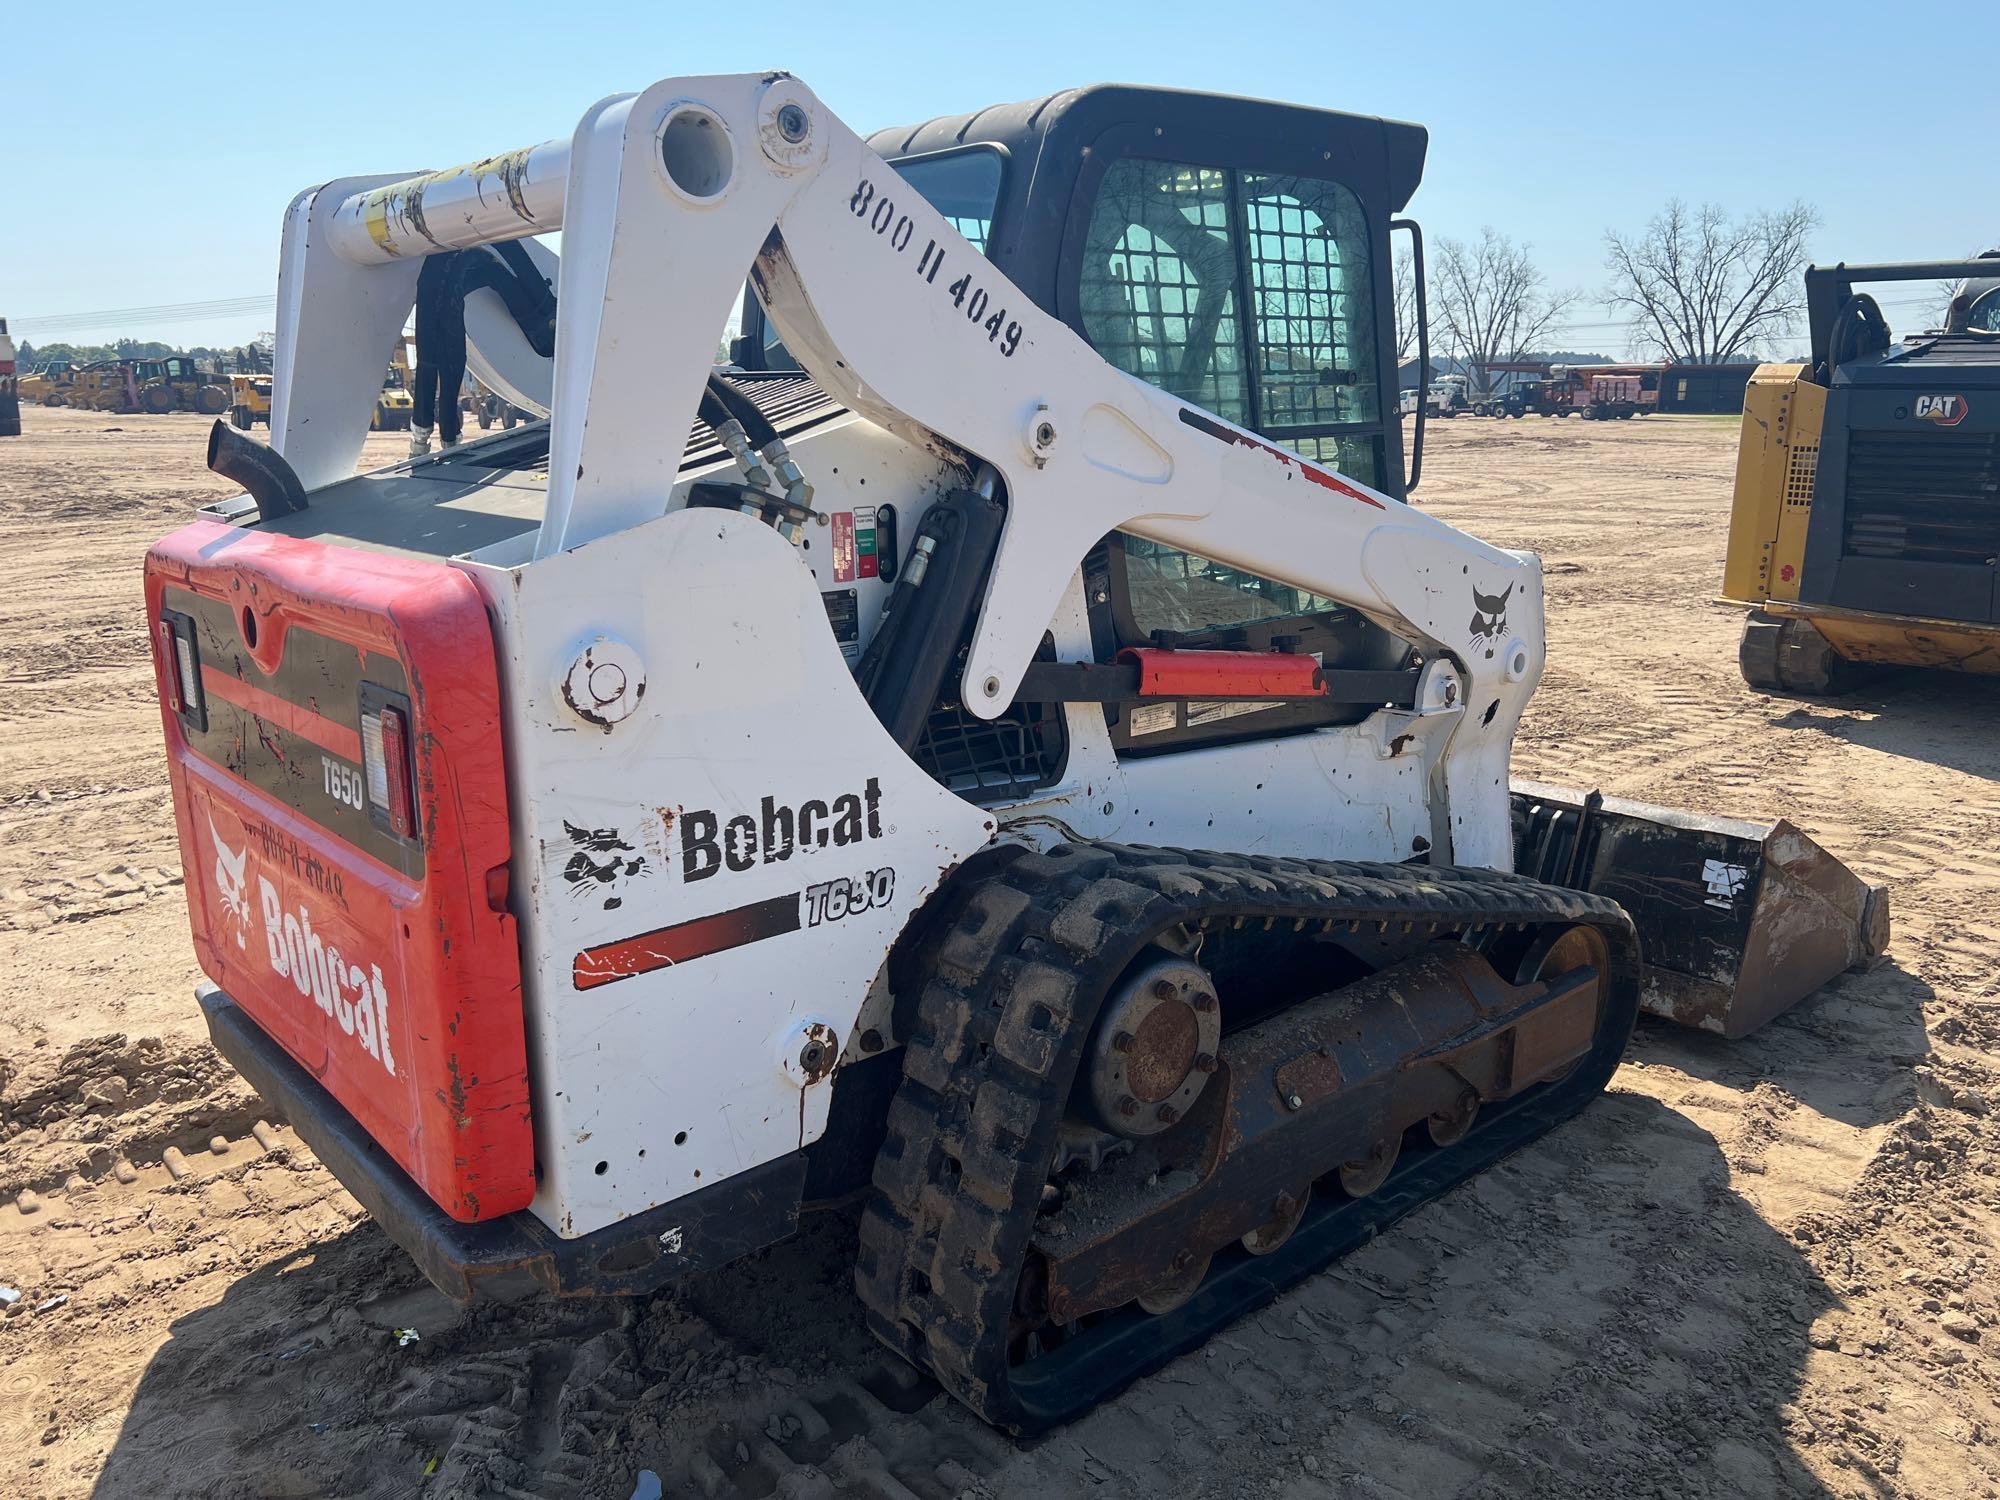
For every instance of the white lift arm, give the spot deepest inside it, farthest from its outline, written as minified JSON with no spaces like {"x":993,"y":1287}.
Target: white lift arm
{"x":668,"y":198}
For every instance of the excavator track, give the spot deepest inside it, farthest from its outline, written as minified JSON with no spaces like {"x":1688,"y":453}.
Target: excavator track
{"x":1789,"y":655}
{"x":1012,"y":977}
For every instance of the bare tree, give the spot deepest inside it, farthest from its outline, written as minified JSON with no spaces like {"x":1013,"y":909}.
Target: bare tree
{"x":1405,"y":274}
{"x":1705,"y":289}
{"x":1491,"y":303}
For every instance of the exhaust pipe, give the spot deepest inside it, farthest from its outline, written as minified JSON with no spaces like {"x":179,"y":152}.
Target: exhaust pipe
{"x":261,"y":470}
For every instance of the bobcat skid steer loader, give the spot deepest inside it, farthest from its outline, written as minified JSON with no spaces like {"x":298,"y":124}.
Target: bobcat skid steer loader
{"x":1019,"y":756}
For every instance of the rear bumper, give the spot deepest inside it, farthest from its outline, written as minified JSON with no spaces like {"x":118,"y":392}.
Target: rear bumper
{"x":699,"y":1232}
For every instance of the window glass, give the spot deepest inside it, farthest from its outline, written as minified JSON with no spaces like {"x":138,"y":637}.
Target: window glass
{"x":964,"y":186}
{"x":1158,"y":287}
{"x":1985,"y":312}
{"x":1173,"y":590}
{"x":1172,"y":256}
{"x":1315,"y":325}
{"x":1354,"y":454}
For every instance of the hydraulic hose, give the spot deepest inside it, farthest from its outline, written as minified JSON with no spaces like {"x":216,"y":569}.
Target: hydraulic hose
{"x":743,"y":409}
{"x":762,"y":436}
{"x":730,"y":433}
{"x":712,"y":411}
{"x":446,"y":281}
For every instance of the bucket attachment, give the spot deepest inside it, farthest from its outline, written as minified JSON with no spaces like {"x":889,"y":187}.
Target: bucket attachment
{"x":1737,"y":921}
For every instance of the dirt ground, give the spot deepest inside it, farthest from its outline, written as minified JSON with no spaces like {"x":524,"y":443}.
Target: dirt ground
{"x":1759,"y":1268}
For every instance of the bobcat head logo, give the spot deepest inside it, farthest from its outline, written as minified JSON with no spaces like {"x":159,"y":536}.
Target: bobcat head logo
{"x":1489,"y":617}
{"x":601,"y":864}
{"x":229,"y":872}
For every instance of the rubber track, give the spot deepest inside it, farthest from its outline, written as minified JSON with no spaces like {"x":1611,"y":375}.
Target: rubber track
{"x":1010,"y":988}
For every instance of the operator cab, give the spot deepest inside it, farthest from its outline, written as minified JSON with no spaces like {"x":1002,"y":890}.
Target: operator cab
{"x":1984,"y":314}
{"x":1234,"y":252}
{"x":1150,"y":219}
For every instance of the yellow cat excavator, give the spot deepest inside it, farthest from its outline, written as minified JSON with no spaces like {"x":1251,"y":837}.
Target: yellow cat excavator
{"x":1866,"y":526}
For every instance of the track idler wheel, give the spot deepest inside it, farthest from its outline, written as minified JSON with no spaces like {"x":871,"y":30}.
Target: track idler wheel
{"x":1557,"y":952}
{"x":1450,"y":1126}
{"x":1360,"y":1178}
{"x":1286,"y":1215}
{"x":1189,"y":1269}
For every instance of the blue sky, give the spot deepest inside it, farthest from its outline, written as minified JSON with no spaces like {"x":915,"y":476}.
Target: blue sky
{"x":151,"y":150}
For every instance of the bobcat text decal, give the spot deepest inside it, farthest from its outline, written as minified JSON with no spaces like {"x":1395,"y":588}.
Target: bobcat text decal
{"x":708,"y":845}
{"x":356,"y":999}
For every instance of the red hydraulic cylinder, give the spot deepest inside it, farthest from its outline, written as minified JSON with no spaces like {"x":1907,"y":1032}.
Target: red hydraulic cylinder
{"x":1224,"y":674}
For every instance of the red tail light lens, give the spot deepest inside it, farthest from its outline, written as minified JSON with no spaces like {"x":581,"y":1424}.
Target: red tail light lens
{"x":183,"y":663}
{"x":396,"y":761}
{"x":168,"y":654}
{"x":386,"y":760}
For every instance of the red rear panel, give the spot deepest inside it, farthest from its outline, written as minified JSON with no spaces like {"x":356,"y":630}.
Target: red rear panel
{"x":386,"y":964}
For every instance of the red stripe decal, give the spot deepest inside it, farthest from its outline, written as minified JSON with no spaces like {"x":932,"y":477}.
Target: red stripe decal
{"x":1332,"y":481}
{"x":322,"y":731}
{"x":1324,"y":478}
{"x":610,"y":962}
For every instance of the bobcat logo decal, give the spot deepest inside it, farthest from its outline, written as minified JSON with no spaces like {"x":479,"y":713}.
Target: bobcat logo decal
{"x":229,"y":871}
{"x":1489,"y":617}
{"x":602,"y":863}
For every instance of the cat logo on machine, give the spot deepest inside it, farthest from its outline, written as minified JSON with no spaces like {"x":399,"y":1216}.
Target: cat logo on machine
{"x":1945,"y":411}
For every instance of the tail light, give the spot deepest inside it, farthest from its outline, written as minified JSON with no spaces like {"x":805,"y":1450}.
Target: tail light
{"x":387,"y":762}
{"x":183,"y":662}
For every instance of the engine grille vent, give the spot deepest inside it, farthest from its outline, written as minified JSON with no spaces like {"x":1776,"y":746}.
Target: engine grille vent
{"x":1799,"y":471}
{"x":1923,"y":497}
{"x":993,"y":760}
